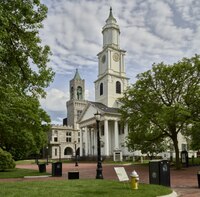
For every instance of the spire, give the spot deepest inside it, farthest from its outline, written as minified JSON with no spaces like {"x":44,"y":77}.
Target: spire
{"x":111,"y":17}
{"x":77,"y":76}
{"x":111,"y":31}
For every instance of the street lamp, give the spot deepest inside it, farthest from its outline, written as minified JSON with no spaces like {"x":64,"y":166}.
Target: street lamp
{"x":47,"y":155}
{"x":99,"y":174}
{"x":76,"y":160}
{"x":60,"y":153}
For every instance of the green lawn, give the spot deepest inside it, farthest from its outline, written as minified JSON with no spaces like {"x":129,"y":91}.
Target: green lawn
{"x":75,"y":188}
{"x":20,"y":173}
{"x":72,"y":188}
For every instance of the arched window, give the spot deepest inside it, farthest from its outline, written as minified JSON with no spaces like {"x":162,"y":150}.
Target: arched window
{"x":101,"y":89}
{"x":79,"y":93}
{"x":118,"y":87}
{"x":68,"y":151}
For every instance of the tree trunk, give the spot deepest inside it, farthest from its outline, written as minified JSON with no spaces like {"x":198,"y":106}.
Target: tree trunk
{"x":178,"y":163}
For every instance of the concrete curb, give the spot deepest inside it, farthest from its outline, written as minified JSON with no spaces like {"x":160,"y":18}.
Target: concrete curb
{"x":35,"y":177}
{"x":173,"y":194}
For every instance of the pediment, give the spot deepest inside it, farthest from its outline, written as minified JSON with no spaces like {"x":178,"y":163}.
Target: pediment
{"x":88,"y":113}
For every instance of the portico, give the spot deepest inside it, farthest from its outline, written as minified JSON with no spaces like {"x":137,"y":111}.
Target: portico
{"x":112,"y":134}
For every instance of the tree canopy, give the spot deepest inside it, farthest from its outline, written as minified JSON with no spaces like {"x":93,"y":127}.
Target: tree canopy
{"x":164,"y":102}
{"x":24,"y":76}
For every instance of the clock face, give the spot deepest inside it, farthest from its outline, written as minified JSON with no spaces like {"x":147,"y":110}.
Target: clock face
{"x":103,"y":59}
{"x":116,"y":57}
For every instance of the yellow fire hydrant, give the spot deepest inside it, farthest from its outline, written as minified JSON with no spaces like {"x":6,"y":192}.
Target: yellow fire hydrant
{"x":134,"y":180}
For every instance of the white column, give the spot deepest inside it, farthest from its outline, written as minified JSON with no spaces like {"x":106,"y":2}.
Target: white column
{"x":125,"y":149}
{"x":81,"y":142}
{"x":89,"y":141}
{"x":116,"y":135}
{"x":95,"y":141}
{"x":106,"y":138}
{"x":86,"y":141}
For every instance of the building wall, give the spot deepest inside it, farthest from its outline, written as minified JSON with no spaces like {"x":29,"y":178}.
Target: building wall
{"x":61,"y":139}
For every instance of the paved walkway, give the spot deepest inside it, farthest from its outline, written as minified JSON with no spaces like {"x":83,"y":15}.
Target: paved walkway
{"x":184,"y":181}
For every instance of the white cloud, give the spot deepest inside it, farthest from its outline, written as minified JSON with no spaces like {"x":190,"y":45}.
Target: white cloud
{"x":151,"y":31}
{"x":55,"y":100}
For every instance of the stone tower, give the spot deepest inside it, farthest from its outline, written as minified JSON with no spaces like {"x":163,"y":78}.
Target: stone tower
{"x":77,"y":102}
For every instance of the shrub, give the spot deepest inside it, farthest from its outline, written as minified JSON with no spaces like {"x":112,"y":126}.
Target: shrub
{"x":6,"y":160}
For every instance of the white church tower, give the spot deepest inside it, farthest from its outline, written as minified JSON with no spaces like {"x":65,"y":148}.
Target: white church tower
{"x":112,"y":80}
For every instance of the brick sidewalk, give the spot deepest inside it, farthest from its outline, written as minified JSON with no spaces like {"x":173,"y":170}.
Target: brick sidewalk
{"x":184,"y":181}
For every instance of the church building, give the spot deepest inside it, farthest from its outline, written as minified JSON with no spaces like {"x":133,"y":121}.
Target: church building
{"x":78,"y":134}
{"x":109,"y":86}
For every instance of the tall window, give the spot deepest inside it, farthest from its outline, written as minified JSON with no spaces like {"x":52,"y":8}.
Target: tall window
{"x":68,"y":137}
{"x":101,"y":89}
{"x":118,"y":87}
{"x":79,"y":134}
{"x":79,"y":93}
{"x":120,"y":128}
{"x":79,"y":113}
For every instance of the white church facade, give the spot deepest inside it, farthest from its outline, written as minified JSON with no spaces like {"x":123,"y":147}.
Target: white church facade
{"x":78,"y":136}
{"x":109,"y":86}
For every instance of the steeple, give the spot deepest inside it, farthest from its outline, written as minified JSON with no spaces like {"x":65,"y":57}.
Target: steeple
{"x":77,"y":76}
{"x":112,"y":80}
{"x":111,"y":19}
{"x":77,"y":87}
{"x":111,"y":32}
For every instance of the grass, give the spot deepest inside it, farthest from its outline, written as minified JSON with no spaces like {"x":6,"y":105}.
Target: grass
{"x":77,"y":188}
{"x":31,"y":161}
{"x":72,"y":188}
{"x":20,"y":173}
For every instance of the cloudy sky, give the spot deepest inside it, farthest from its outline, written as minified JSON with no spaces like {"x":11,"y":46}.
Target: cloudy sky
{"x":151,"y":31}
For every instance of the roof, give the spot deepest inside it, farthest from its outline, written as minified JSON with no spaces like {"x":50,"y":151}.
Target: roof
{"x":104,"y":108}
{"x":77,"y":76}
{"x":111,"y":17}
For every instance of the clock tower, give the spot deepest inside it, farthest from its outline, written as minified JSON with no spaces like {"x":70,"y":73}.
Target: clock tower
{"x":112,"y":80}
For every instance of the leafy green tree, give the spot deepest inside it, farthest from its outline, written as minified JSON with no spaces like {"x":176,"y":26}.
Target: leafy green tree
{"x":24,"y":77}
{"x":6,"y":160}
{"x":195,"y":136}
{"x":150,"y":148}
{"x":164,"y":102}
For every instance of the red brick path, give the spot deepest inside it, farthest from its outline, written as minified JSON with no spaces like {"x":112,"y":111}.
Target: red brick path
{"x":184,"y":181}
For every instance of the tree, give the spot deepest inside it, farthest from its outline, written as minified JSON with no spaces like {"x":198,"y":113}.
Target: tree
{"x":164,"y":102}
{"x":6,"y":160}
{"x":195,"y":136}
{"x":150,"y":148}
{"x":24,"y":77}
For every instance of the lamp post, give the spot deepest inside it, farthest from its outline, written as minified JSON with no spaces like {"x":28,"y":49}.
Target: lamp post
{"x":47,"y":155}
{"x":60,"y":153}
{"x":76,"y":161}
{"x":99,"y":174}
